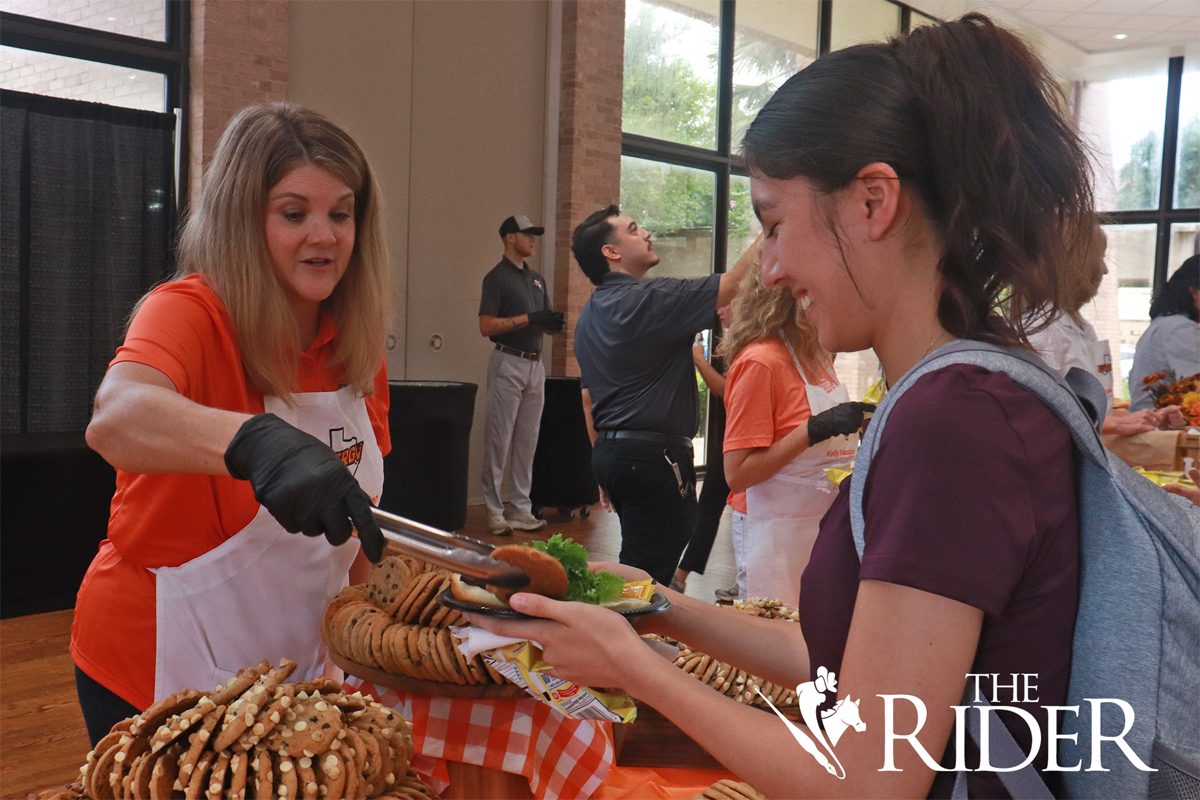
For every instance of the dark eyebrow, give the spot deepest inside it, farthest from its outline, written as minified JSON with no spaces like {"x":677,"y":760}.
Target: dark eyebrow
{"x":759,"y":208}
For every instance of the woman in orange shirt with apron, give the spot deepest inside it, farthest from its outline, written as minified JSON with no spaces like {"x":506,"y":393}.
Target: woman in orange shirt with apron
{"x":247,"y":402}
{"x":779,"y":380}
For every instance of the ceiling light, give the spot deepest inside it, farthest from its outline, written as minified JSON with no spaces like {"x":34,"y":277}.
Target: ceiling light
{"x":111,"y":19}
{"x":1121,"y":36}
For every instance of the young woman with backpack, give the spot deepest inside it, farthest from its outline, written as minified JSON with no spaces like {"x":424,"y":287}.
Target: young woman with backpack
{"x":912,"y":193}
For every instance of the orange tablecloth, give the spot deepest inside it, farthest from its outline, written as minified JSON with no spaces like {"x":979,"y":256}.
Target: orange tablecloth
{"x":560,"y":757}
{"x":657,"y":783}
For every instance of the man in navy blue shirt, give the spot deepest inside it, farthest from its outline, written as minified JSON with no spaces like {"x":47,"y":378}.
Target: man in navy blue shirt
{"x":633,"y":342}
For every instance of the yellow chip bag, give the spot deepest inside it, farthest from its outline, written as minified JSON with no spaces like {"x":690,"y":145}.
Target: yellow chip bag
{"x":522,"y":664}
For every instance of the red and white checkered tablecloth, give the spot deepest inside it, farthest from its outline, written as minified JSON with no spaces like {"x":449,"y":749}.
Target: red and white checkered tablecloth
{"x":561,"y":757}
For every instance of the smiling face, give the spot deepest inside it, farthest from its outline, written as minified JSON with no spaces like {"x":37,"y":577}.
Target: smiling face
{"x":309,"y":229}
{"x":801,"y":253}
{"x":631,"y":248}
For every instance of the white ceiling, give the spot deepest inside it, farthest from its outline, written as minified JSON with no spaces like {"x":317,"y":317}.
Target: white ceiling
{"x":1092,"y":25}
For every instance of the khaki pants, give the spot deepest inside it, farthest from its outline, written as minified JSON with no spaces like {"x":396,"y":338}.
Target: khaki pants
{"x":516,"y":390}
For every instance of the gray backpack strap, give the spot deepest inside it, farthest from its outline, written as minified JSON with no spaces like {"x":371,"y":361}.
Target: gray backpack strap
{"x":1085,"y":386}
{"x":1025,"y":367}
{"x":1025,"y":783}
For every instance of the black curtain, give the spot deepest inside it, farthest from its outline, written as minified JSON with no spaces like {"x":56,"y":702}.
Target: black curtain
{"x":86,"y":220}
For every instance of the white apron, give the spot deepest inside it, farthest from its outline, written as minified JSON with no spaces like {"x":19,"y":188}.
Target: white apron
{"x":1102,"y":358}
{"x":260,"y":594}
{"x":783,"y":513}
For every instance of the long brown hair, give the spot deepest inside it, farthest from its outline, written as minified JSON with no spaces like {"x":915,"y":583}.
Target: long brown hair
{"x":971,"y":121}
{"x":759,"y":312}
{"x":223,"y":241}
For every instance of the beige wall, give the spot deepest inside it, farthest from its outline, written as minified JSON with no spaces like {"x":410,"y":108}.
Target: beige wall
{"x":352,"y":61}
{"x":448,"y":100}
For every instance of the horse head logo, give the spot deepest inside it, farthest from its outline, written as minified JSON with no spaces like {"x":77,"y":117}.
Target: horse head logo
{"x":834,"y":722}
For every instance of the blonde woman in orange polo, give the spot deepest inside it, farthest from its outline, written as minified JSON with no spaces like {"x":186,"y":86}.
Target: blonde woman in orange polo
{"x":248,"y":402}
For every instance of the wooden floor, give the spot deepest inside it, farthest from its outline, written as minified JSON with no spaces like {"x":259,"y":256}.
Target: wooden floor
{"x":42,"y":737}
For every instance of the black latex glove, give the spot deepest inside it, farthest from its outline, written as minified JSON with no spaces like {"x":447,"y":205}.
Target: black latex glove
{"x":841,"y":420}
{"x":553,"y":321}
{"x":302,"y":483}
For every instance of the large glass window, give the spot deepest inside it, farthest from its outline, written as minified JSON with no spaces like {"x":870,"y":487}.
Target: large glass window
{"x":775,"y":39}
{"x":1130,"y":257}
{"x":675,"y":204}
{"x":670,"y":73}
{"x":1142,"y":121}
{"x":1187,"y":157}
{"x":145,"y":19}
{"x":75,"y":79}
{"x":1122,"y":117}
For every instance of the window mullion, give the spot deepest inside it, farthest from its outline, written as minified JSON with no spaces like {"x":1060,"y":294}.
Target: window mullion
{"x":1166,"y":194}
{"x":824,"y":27}
{"x":725,"y":78}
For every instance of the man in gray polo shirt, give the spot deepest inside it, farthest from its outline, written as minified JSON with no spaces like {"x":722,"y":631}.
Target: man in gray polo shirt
{"x":514,"y":312}
{"x":633,"y":342}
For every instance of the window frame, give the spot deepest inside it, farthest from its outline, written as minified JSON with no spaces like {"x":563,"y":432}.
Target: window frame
{"x":722,"y":161}
{"x":169,"y":58}
{"x":1166,"y":214}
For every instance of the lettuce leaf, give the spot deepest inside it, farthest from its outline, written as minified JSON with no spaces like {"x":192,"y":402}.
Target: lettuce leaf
{"x":583,"y":585}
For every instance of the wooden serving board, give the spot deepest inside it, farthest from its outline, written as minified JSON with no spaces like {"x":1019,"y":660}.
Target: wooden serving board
{"x":379,"y":677}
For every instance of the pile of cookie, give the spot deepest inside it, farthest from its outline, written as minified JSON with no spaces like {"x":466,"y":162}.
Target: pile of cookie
{"x":394,"y":623}
{"x":256,"y":737}
{"x":729,"y":790}
{"x":769,"y":608}
{"x":731,"y":681}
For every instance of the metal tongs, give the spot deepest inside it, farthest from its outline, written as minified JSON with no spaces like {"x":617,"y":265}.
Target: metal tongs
{"x":462,"y":554}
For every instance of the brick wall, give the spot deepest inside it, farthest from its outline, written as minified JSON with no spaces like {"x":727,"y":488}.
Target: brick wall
{"x":239,"y":57}
{"x":589,"y":146}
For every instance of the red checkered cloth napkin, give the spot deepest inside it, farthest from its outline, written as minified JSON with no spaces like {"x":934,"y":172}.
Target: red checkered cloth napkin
{"x":561,"y":757}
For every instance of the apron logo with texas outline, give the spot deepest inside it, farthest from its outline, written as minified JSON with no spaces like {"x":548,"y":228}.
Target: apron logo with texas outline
{"x":348,"y":450}
{"x":835,"y":721}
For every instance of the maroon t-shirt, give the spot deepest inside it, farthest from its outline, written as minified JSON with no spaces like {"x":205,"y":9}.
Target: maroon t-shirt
{"x":970,"y":496}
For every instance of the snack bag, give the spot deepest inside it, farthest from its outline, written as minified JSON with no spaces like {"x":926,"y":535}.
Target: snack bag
{"x":876,"y":393}
{"x":522,"y":664}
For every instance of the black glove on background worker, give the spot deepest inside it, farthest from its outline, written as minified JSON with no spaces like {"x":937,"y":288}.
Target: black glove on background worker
{"x":553,"y":321}
{"x":304,"y":485}
{"x":841,"y":420}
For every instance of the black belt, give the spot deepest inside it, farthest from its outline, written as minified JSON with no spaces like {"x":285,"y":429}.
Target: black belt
{"x":512,"y":351}
{"x":648,"y":436}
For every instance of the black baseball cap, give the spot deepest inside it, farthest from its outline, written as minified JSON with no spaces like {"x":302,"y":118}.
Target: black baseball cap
{"x":520,"y":224}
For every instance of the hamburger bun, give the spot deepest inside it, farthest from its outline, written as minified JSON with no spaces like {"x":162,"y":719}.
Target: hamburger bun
{"x":474,"y":594}
{"x":547,"y":576}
